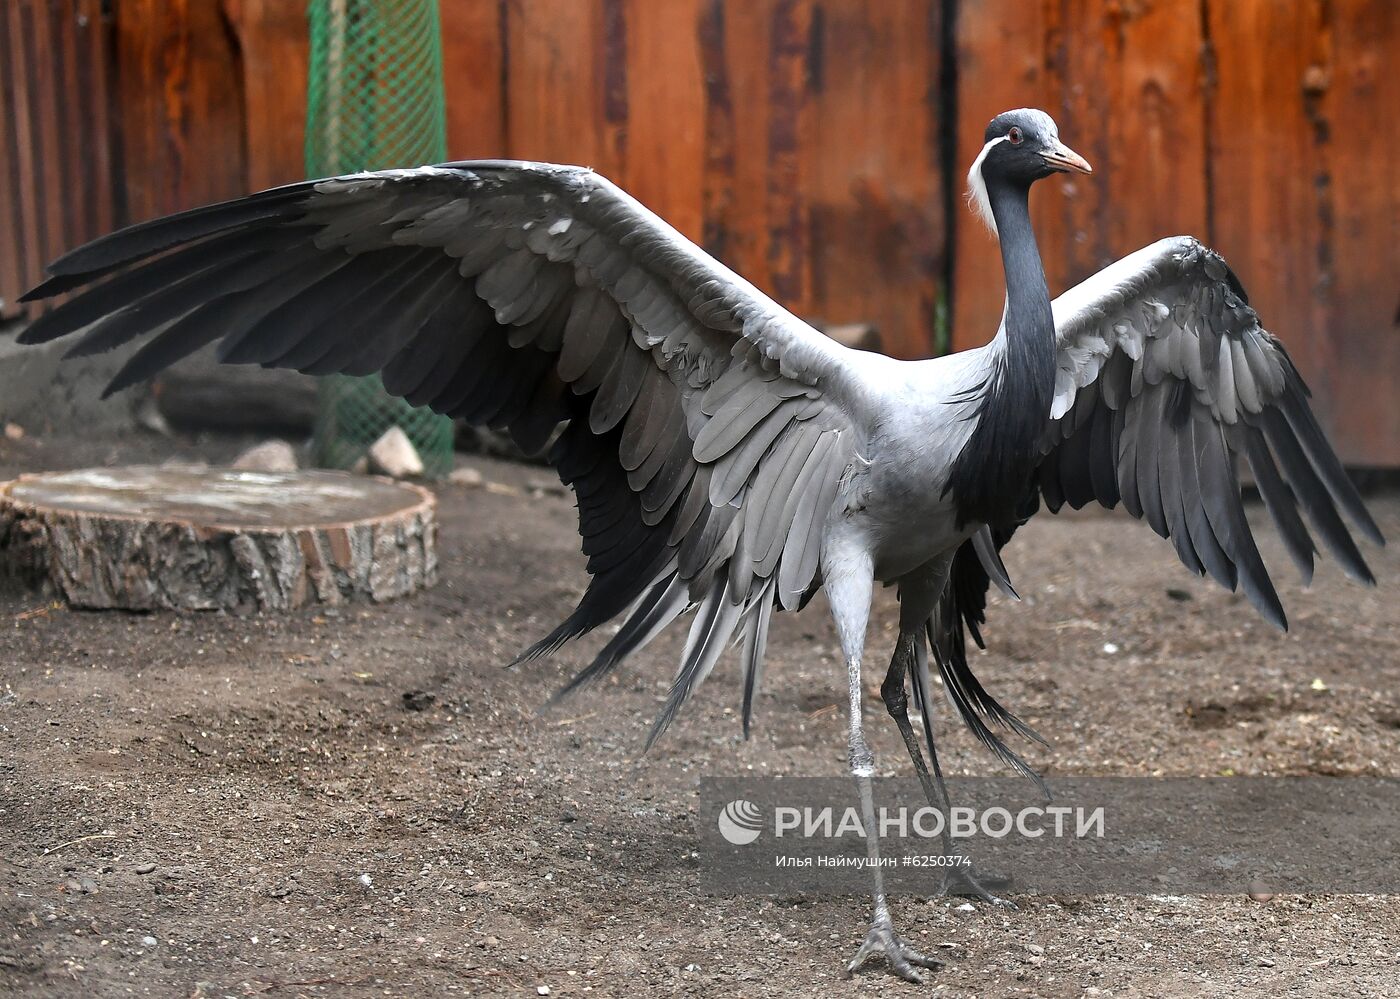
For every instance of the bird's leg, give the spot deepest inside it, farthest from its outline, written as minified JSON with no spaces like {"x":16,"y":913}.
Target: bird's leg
{"x":919,"y":594}
{"x":849,"y":591}
{"x":956,"y":880}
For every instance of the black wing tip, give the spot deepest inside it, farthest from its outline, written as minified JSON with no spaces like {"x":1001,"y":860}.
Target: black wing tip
{"x":1369,"y":530}
{"x":116,"y":385}
{"x":1273,"y":613}
{"x":1361,"y":573}
{"x":31,"y":335}
{"x":38,"y":293}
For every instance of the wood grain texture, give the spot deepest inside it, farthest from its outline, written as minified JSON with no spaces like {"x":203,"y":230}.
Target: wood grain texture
{"x":1266,"y":168}
{"x":799,"y":141}
{"x":22,"y":78}
{"x":148,"y":538}
{"x":56,"y":185}
{"x":1306,"y":207}
{"x":98,"y":85}
{"x":1126,"y":84}
{"x":473,"y":59}
{"x":565,"y":103}
{"x":182,"y":112}
{"x":1364,"y":258}
{"x":756,"y":59}
{"x":272,"y":71}
{"x":873,"y":174}
{"x":665,"y":109}
{"x":13,"y":271}
{"x":1001,"y":64}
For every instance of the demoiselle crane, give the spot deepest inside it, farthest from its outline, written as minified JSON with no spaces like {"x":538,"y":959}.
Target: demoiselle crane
{"x":727,"y":458}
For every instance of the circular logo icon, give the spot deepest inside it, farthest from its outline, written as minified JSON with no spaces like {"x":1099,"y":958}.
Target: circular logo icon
{"x":740,"y":822}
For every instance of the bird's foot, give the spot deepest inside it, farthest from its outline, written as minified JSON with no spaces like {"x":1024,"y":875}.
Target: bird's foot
{"x":901,"y":959}
{"x":965,"y":882}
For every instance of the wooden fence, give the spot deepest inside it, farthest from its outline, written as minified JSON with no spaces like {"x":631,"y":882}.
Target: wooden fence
{"x":818,"y":146}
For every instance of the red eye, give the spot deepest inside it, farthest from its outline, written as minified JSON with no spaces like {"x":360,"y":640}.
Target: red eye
{"x":1014,"y":136}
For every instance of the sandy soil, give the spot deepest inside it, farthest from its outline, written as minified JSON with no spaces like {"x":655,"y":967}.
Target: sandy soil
{"x":219,"y":806}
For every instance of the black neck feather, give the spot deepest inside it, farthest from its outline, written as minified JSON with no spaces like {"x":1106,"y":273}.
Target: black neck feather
{"x":991,"y":477}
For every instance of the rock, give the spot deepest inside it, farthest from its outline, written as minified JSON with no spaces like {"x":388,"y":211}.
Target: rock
{"x":480,"y":440}
{"x":146,"y":868}
{"x":365,"y":880}
{"x":149,"y":417}
{"x":394,"y":455}
{"x":541,"y":487}
{"x":269,"y":456}
{"x":1035,"y":949}
{"x":466,"y":476}
{"x":418,"y":700}
{"x":1259,"y":891}
{"x":14,"y":432}
{"x":149,"y":941}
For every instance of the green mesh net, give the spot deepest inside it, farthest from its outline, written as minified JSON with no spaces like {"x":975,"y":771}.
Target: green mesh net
{"x":374,"y":101}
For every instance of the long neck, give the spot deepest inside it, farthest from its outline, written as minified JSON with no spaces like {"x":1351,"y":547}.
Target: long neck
{"x":1028,"y":322}
{"x":991,"y":476}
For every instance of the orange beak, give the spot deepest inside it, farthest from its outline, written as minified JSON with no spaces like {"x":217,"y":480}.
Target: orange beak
{"x":1064,"y":158}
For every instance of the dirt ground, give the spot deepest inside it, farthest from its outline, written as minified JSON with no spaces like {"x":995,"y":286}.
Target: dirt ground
{"x":207,"y":805}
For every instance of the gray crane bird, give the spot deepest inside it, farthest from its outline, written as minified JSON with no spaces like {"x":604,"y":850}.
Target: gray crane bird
{"x":729,"y":460}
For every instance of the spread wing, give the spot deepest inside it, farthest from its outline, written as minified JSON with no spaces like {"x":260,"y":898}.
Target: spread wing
{"x":704,"y":435}
{"x":1165,"y":383}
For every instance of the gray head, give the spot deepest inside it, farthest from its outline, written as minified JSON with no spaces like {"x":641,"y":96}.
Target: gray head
{"x":1021,"y":147}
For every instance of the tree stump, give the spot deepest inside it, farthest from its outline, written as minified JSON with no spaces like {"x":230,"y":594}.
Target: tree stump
{"x":146,"y":537}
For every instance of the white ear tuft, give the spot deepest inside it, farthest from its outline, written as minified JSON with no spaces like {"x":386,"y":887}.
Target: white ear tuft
{"x":977,"y":198}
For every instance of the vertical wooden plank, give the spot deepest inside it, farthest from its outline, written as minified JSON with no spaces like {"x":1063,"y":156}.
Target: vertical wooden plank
{"x":181,"y":106}
{"x":1130,"y":81}
{"x":473,"y":54}
{"x":665,"y":110}
{"x":12,"y":265}
{"x":566,"y":83}
{"x":23,"y":80}
{"x":273,"y":47}
{"x":1265,"y":168}
{"x":1351,"y":101}
{"x":66,"y":125}
{"x":734,"y":43}
{"x":877,"y":187}
{"x":1125,"y":83}
{"x":97,"y":80}
{"x":1000,"y":54}
{"x":52,"y":186}
{"x":758,"y":121}
{"x":789,"y":121}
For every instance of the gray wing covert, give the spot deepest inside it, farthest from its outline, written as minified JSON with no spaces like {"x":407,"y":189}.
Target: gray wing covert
{"x":703,"y":429}
{"x":1165,"y":382}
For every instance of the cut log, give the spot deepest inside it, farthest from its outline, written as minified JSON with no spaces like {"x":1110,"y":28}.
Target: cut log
{"x":199,"y":393}
{"x":148,"y":538}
